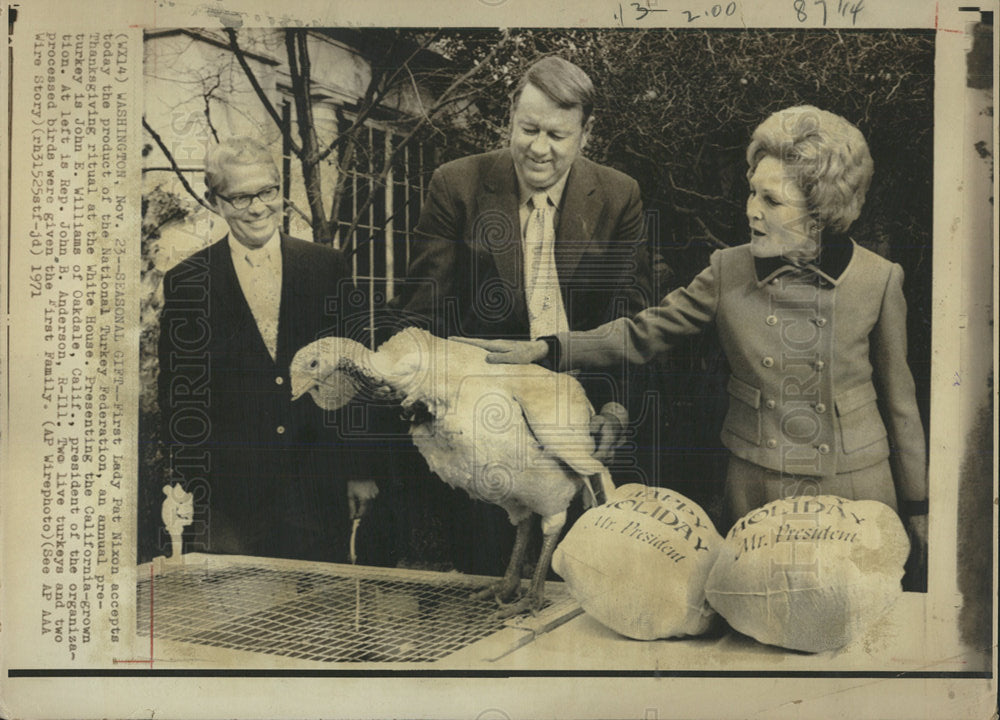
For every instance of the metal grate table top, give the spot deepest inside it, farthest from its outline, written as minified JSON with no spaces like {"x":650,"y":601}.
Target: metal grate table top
{"x":319,"y":612}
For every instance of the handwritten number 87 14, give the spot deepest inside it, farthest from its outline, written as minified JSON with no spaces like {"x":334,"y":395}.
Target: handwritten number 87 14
{"x":843,"y":7}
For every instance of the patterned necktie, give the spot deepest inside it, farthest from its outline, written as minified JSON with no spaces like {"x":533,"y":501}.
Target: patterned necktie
{"x":264,"y":298}
{"x":546,"y":314}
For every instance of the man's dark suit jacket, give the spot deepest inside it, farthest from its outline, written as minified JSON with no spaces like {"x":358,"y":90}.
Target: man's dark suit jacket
{"x":268,"y":473}
{"x":466,"y":275}
{"x":466,"y":278}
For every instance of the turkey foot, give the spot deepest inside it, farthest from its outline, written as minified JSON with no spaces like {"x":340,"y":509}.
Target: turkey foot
{"x":534,"y":599}
{"x":509,"y":585}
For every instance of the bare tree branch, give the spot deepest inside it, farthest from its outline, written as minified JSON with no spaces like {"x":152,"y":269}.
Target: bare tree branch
{"x":346,"y":160}
{"x":300,"y":67}
{"x":207,"y":97}
{"x":416,"y":91}
{"x":366,"y":106}
{"x":373,"y":94}
{"x":711,"y":198}
{"x":710,"y":235}
{"x":261,"y":95}
{"x":442,"y":102}
{"x":173,"y":164}
{"x":295,"y":208}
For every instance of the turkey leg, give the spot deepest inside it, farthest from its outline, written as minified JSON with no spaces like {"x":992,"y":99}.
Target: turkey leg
{"x":532,"y":600}
{"x":507,"y":587}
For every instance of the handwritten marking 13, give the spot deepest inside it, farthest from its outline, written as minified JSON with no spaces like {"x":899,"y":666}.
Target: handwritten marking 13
{"x":639,"y":11}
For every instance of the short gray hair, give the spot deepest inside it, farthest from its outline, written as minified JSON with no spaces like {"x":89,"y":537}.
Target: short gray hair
{"x":827,"y":155}
{"x":237,"y":150}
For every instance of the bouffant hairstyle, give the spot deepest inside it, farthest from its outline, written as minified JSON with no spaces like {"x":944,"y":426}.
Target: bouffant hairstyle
{"x":563,"y":82}
{"x":236,"y":150}
{"x":827,"y":155}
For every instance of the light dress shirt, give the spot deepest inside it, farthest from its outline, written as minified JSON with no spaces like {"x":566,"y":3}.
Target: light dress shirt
{"x":259,"y":273}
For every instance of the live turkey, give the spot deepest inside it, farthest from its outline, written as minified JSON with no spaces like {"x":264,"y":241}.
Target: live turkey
{"x":513,"y":435}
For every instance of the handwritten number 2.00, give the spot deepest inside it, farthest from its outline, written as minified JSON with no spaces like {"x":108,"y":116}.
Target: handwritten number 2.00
{"x":716,"y":11}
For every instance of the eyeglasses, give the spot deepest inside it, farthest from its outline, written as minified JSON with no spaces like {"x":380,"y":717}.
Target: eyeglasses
{"x":242,"y":202}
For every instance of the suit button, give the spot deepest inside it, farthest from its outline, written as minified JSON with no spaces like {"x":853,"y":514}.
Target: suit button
{"x":820,"y":321}
{"x":279,"y":380}
{"x":768,"y":361}
{"x":820,"y":408}
{"x":772,"y":443}
{"x":771,"y":404}
{"x":280,"y":430}
{"x":819,"y":365}
{"x":772,"y":320}
{"x":823,"y":449}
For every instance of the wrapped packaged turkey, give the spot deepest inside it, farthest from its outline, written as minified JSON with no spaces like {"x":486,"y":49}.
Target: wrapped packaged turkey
{"x":810,"y":573}
{"x":638,"y":564}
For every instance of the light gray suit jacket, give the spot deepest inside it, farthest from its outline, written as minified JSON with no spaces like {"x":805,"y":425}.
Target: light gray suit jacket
{"x":812,"y":359}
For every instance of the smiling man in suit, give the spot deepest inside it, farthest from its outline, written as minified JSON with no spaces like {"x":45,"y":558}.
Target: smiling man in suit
{"x":275,"y":478}
{"x":528,"y":241}
{"x":518,"y":241}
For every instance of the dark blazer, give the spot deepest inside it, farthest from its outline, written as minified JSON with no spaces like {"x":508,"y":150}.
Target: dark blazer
{"x":271,"y":472}
{"x":466,"y":278}
{"x":820,"y":384}
{"x":466,"y":275}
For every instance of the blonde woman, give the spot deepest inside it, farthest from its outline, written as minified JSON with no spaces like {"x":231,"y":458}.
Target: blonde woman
{"x":813,"y":326}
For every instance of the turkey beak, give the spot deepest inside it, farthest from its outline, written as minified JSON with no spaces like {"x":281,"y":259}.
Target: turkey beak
{"x":301,"y":384}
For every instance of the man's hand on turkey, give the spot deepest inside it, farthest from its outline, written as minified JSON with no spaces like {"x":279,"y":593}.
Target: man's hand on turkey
{"x":608,"y":430}
{"x":509,"y":352}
